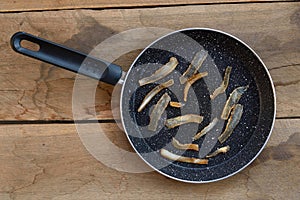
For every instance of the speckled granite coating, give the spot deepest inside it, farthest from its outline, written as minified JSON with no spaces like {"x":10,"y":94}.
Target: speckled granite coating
{"x":248,"y":138}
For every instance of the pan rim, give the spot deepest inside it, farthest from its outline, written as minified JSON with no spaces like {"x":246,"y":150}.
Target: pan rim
{"x":269,"y":78}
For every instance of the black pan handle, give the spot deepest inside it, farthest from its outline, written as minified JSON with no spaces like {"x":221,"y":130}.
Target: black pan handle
{"x":67,"y":58}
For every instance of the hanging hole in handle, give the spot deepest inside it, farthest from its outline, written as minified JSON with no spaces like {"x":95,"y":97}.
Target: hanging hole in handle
{"x":30,"y":45}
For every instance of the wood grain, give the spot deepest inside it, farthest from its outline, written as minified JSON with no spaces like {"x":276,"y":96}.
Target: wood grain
{"x":30,"y":90}
{"x":50,"y":162}
{"x":31,"y":5}
{"x":287,"y":82}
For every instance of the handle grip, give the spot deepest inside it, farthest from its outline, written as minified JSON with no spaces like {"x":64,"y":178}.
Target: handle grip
{"x":67,"y":58}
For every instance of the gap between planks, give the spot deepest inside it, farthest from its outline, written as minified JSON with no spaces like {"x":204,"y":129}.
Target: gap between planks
{"x":145,"y":6}
{"x":15,"y":122}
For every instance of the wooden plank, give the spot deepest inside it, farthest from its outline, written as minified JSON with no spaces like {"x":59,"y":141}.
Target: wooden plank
{"x":30,"y":90}
{"x":30,"y":5}
{"x":50,"y":162}
{"x":287,"y":82}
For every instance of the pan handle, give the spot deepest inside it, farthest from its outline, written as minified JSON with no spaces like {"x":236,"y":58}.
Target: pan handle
{"x":67,"y":58}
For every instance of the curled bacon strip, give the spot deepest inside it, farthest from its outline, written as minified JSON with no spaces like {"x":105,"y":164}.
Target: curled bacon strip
{"x":157,"y":111}
{"x":233,"y":121}
{"x":171,"y":156}
{"x":161,"y":72}
{"x":194,"y":66}
{"x":178,"y":145}
{"x":232,"y":100}
{"x":223,"y":85}
{"x":190,"y":82}
{"x":206,"y":129}
{"x":153,"y":92}
{"x":189,"y":118}
{"x":218,"y":151}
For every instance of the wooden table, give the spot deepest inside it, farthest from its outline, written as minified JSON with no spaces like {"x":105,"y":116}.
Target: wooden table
{"x":41,"y":155}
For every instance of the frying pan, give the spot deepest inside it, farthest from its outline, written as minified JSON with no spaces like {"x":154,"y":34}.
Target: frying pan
{"x":248,"y":138}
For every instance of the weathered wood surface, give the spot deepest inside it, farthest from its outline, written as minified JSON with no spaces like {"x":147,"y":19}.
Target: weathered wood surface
{"x":30,"y":90}
{"x":50,"y":162}
{"x":30,"y":5}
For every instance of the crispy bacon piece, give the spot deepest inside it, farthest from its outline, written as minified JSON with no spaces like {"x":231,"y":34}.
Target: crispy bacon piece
{"x":176,"y":104}
{"x":178,"y":145}
{"x":191,"y":81}
{"x":157,"y":111}
{"x":223,"y":85}
{"x":206,"y":129}
{"x":153,"y":92}
{"x":189,"y":118}
{"x":218,"y":151}
{"x":233,"y":121}
{"x":232,"y":100}
{"x":161,"y":72}
{"x":194,"y":66}
{"x":171,"y":156}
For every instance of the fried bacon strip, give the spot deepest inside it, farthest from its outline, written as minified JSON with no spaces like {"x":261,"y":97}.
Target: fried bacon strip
{"x":206,"y":129}
{"x":194,"y":66}
{"x":232,"y":100}
{"x":176,"y":104}
{"x":233,"y":121}
{"x":218,"y":151}
{"x":153,"y":92}
{"x":161,"y":72}
{"x":184,"y":119}
{"x":157,"y":111}
{"x":190,"y":82}
{"x":178,"y":145}
{"x":223,"y":85}
{"x":171,"y":156}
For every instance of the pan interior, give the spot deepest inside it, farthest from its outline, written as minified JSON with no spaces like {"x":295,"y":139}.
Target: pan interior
{"x":248,"y":137}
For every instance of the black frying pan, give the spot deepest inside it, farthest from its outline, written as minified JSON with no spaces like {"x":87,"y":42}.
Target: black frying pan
{"x":248,"y":138}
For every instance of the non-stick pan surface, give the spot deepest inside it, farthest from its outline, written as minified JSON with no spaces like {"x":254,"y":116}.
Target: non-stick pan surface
{"x":248,"y":138}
